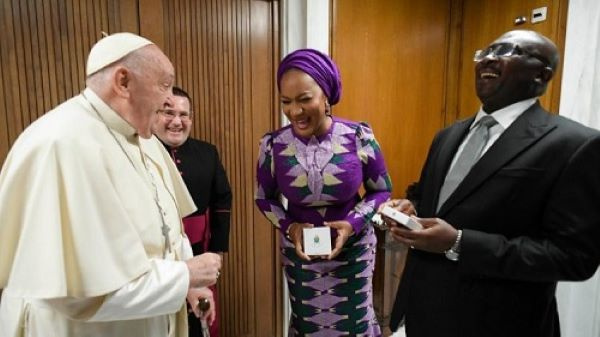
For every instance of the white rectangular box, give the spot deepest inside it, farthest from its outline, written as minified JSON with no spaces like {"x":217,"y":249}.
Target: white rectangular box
{"x":317,"y":241}
{"x":401,"y":218}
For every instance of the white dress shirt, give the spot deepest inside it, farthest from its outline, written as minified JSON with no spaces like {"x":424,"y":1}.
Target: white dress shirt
{"x":505,"y":117}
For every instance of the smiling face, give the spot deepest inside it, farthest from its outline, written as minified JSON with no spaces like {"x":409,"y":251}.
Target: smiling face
{"x":523,"y":73}
{"x":173,"y":124}
{"x":304,"y":103}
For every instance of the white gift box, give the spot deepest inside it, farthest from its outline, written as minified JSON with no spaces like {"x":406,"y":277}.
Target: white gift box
{"x":317,"y":241}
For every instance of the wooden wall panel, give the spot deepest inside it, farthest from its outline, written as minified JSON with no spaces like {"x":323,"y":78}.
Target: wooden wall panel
{"x":484,"y":21}
{"x":392,"y":58}
{"x":225,"y":53}
{"x":43,"y":51}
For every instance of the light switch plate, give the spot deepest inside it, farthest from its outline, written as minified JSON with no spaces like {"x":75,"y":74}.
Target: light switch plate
{"x":539,"y":14}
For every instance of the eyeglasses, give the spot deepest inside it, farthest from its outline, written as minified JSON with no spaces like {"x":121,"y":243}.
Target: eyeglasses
{"x":171,"y":114}
{"x":507,"y":50}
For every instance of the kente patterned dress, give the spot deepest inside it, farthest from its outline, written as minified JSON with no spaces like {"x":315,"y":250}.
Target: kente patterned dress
{"x":321,"y":177}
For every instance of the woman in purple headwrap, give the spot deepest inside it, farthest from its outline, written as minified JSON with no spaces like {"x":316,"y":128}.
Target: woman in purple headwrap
{"x":319,"y":162}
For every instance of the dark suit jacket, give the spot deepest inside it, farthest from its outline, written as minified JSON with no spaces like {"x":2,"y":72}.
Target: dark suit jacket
{"x":530,"y":214}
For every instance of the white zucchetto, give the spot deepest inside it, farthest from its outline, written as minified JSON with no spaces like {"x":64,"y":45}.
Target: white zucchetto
{"x":113,"y":48}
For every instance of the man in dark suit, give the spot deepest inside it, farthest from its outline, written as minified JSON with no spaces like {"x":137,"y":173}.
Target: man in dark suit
{"x":509,"y":205}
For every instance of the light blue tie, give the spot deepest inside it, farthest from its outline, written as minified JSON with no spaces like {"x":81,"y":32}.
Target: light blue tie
{"x":467,"y":158}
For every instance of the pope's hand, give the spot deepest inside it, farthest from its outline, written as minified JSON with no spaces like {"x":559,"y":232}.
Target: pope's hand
{"x":204,"y":269}
{"x":193,"y":297}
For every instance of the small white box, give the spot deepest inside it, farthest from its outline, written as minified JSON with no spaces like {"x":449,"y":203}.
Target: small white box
{"x":317,"y":241}
{"x":401,"y":218}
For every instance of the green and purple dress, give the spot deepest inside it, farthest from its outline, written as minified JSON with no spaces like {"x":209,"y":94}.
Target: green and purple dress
{"x":321,"y":178}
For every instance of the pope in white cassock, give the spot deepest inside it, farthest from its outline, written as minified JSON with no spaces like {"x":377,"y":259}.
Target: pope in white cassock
{"x":90,"y":207}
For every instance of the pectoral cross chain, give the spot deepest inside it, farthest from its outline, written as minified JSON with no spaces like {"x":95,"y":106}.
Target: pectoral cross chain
{"x":164,"y":228}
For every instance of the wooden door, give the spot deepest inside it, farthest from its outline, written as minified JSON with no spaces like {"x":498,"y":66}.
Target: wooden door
{"x":392,"y":58}
{"x":482,"y":23}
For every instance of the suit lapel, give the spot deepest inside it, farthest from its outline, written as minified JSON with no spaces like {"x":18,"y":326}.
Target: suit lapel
{"x":523,"y":133}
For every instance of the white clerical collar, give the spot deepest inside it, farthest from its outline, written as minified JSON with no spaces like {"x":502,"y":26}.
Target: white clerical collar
{"x":112,"y":119}
{"x":507,"y":115}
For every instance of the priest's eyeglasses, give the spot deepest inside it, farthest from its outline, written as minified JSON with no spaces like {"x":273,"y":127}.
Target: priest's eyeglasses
{"x":169,"y":114}
{"x":506,"y":50}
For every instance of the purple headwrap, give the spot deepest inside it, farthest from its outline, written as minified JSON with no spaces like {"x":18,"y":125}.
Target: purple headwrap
{"x":318,"y":66}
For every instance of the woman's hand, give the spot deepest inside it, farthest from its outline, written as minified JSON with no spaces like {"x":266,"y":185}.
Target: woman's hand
{"x":295,"y":234}
{"x":344,"y":230}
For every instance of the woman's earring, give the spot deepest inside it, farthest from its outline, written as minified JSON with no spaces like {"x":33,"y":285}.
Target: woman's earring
{"x":327,"y":109}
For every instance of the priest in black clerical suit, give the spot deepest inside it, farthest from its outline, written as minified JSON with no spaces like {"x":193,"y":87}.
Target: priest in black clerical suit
{"x":206,"y":180}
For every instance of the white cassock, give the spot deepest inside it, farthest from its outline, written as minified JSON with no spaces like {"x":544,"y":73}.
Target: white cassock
{"x":81,"y":247}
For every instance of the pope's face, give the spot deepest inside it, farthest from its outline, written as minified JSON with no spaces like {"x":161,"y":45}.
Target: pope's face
{"x":303,"y":103}
{"x":174,"y":123}
{"x":150,"y":89}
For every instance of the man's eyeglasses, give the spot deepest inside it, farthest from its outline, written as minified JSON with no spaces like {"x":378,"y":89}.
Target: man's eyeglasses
{"x":171,"y":114}
{"x":505,"y":49}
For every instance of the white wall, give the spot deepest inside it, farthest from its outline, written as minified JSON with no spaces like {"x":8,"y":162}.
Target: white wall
{"x":305,"y":24}
{"x":579,"y":302}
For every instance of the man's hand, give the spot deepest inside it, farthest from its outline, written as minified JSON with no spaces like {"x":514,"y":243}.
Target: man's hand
{"x":204,"y":269}
{"x":437,"y":235}
{"x":193,"y":297}
{"x":402,"y":205}
{"x":295,"y":234}
{"x":344,"y":231}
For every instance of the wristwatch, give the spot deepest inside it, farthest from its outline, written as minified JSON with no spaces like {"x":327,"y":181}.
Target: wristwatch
{"x":453,"y":253}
